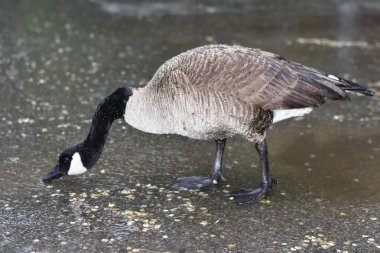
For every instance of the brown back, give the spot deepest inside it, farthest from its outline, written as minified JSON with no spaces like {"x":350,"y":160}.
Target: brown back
{"x":260,"y":78}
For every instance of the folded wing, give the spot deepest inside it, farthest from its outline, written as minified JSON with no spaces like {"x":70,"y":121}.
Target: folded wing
{"x":261,"y":78}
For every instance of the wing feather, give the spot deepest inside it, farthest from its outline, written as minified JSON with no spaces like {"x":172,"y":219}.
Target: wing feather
{"x":261,"y":78}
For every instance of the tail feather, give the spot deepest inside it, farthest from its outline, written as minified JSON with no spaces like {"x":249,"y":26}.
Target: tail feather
{"x":350,"y":86}
{"x":347,"y":85}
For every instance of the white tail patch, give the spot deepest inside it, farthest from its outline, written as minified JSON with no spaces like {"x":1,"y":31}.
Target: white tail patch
{"x":76,"y":165}
{"x":282,"y":114}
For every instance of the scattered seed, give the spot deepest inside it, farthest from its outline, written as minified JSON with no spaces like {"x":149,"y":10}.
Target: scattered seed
{"x":231,"y":246}
{"x":265,"y":201}
{"x":203,"y":223}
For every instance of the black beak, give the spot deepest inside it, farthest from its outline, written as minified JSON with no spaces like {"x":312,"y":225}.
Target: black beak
{"x":54,"y":173}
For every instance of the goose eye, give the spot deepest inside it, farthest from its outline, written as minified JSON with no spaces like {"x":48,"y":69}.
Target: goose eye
{"x":66,"y":159}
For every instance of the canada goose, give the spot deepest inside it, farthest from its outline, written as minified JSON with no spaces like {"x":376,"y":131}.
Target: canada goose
{"x":212,"y":92}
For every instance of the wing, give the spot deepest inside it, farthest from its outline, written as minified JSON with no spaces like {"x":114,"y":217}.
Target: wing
{"x":254,"y":76}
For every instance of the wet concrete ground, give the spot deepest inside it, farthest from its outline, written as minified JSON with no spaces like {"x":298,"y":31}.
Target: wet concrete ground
{"x":59,"y":59}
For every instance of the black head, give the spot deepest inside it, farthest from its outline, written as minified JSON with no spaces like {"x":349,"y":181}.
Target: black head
{"x":70,"y":162}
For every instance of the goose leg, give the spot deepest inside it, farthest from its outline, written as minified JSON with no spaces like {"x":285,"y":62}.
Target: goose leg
{"x":250,"y":196}
{"x":199,"y":183}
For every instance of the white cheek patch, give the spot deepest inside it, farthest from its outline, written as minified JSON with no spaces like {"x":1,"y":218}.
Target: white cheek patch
{"x":76,"y":165}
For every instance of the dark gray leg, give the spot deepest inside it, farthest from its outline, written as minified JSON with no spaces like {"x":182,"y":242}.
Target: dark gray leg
{"x":198,"y":183}
{"x":216,"y":170}
{"x":249,"y":196}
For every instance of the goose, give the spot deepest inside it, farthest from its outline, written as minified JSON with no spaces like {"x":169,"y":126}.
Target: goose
{"x":212,"y":92}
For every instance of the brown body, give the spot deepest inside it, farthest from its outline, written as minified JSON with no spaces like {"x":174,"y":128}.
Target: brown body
{"x":216,"y":91}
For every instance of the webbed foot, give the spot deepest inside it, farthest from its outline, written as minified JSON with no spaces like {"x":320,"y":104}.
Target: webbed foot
{"x":197,"y":183}
{"x":250,"y":196}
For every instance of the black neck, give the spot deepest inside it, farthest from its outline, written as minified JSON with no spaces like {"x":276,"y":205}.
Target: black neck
{"x":110,"y":109}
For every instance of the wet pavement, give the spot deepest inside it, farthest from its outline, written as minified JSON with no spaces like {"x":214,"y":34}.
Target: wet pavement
{"x":59,"y":59}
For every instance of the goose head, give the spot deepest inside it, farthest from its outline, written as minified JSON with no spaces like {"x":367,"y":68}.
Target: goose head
{"x":74,"y":160}
{"x":79,"y":158}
